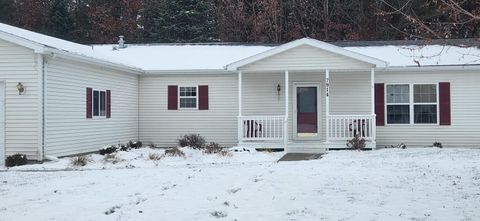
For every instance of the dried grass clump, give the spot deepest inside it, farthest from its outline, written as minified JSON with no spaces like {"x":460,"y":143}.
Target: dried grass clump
{"x":174,"y":152}
{"x":80,"y":160}
{"x":112,"y":158}
{"x":215,"y":148}
{"x":154,"y":156}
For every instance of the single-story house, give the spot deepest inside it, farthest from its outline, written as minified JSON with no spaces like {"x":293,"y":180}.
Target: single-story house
{"x":61,"y":98}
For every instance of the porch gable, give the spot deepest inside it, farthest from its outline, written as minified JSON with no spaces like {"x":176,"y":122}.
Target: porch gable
{"x":306,"y":54}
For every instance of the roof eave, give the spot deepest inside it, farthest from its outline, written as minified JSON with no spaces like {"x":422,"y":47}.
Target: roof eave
{"x":36,"y":47}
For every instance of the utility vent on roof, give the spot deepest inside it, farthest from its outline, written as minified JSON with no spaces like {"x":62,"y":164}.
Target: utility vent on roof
{"x":121,"y":42}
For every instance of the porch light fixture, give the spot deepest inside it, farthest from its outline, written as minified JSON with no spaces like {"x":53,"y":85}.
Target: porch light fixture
{"x":279,"y":88}
{"x":20,"y":88}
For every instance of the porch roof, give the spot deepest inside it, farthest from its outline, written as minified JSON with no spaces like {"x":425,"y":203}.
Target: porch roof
{"x":323,"y":46}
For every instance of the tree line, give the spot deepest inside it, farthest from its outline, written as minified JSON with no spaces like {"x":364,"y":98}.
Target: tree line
{"x":267,"y":21}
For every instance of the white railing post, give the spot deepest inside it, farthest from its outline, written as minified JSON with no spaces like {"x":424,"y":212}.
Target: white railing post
{"x":287,"y":95}
{"x":327,"y":104}
{"x":372,"y":91}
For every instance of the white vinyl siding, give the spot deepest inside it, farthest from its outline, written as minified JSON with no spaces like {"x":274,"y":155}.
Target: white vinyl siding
{"x":306,"y":58}
{"x":162,"y":127}
{"x":68,"y":131}
{"x":465,"y":117}
{"x":19,"y":64}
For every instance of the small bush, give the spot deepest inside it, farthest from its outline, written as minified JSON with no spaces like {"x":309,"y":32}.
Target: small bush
{"x":16,"y":160}
{"x":135,"y":144}
{"x":80,"y":160}
{"x":194,"y":141}
{"x":437,"y":144}
{"x":174,"y":152}
{"x":356,"y":143}
{"x":154,"y":156}
{"x":108,"y":150}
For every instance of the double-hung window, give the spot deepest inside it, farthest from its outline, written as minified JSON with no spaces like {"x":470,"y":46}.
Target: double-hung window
{"x":99,"y":103}
{"x":398,"y":104}
{"x":188,"y":97}
{"x":425,"y":103}
{"x":412,"y":104}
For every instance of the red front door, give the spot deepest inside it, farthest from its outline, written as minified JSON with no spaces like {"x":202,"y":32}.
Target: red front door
{"x":307,"y":113}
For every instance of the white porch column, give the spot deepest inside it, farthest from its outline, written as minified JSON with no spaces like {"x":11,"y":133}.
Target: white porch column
{"x":327,"y":103}
{"x":372,"y":91}
{"x":240,"y":121}
{"x":287,"y":95}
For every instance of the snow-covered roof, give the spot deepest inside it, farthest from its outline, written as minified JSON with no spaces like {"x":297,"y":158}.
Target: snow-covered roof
{"x":181,"y":57}
{"x":417,"y":55}
{"x":37,"y":39}
{"x":178,"y":57}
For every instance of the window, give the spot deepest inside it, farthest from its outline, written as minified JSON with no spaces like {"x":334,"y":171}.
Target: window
{"x":398,"y":104}
{"x":425,"y":103}
{"x":188,"y":97}
{"x":403,"y":100}
{"x":99,"y":103}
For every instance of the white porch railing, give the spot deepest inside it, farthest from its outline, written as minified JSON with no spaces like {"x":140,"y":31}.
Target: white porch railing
{"x":261,"y":128}
{"x":345,"y":127}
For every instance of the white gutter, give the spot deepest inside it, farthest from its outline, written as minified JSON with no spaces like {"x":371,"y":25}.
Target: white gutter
{"x":433,"y":68}
{"x":189,"y":71}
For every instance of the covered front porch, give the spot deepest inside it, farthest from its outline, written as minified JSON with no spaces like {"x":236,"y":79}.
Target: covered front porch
{"x":306,"y":111}
{"x":307,"y":96}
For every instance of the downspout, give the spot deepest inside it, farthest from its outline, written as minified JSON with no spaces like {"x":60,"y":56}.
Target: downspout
{"x":41,"y":102}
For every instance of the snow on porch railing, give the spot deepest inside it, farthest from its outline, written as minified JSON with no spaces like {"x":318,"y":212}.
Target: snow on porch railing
{"x":345,"y":127}
{"x":261,"y":128}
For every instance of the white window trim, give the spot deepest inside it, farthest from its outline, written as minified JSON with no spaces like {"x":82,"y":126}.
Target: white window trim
{"x":411,"y":104}
{"x":179,"y":97}
{"x":93,"y":105}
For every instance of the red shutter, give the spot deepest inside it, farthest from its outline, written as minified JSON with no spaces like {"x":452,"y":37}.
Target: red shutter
{"x":109,"y":103}
{"x":172,"y":97}
{"x":380,"y":104}
{"x":445,"y":107}
{"x":203,"y":97}
{"x":89,"y":102}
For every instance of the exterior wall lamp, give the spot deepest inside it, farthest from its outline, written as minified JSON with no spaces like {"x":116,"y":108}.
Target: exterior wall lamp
{"x":279,"y":88}
{"x":20,"y":88}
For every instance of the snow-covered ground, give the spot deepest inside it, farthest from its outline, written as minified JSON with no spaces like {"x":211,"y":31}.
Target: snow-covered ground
{"x":411,"y":184}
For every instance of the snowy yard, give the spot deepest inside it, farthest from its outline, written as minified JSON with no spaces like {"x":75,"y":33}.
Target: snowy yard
{"x":411,"y":184}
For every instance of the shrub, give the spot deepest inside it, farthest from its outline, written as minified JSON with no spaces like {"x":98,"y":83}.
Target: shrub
{"x":16,"y":160}
{"x":356,"y":143}
{"x":212,"y":148}
{"x":437,"y":144}
{"x":135,"y":144}
{"x":194,"y":141}
{"x":154,"y":156}
{"x":174,"y":152}
{"x":80,"y":160}
{"x":108,"y":150}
